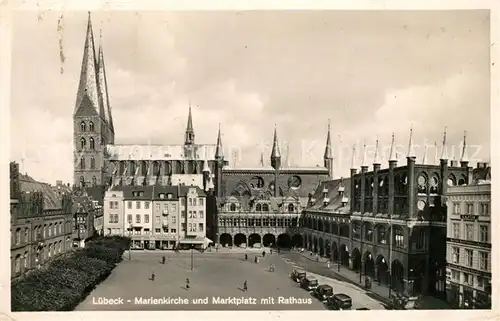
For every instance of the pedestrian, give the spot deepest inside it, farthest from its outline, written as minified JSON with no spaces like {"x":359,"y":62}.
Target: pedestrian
{"x":270,"y":251}
{"x":163,"y":259}
{"x":153,"y":276}
{"x":328,"y":264}
{"x":187,"y":284}
{"x":263,"y":253}
{"x":245,"y":286}
{"x":246,"y":256}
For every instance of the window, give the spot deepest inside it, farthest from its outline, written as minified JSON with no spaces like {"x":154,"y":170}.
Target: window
{"x":173,"y":220}
{"x":157,"y":230}
{"x":116,"y":204}
{"x":129,"y":218}
{"x":83,"y":143}
{"x":456,"y":230}
{"x":146,"y":205}
{"x":232,"y":207}
{"x":83,"y":127}
{"x":17,"y":266}
{"x":173,"y":230}
{"x":484,"y":237}
{"x":82,"y":163}
{"x":183,"y":227}
{"x":456,"y":208}
{"x":467,"y":279}
{"x":200,"y":227}
{"x":138,"y":218}
{"x":26,"y":235}
{"x":455,"y":275}
{"x":483,"y":261}
{"x":190,"y":201}
{"x":265,"y":208}
{"x":169,"y":195}
{"x":194,"y":201}
{"x":91,"y":143}
{"x":111,"y":204}
{"x":157,"y":220}
{"x":484,"y":209}
{"x":481,"y":282}
{"x":291,"y":208}
{"x":200,"y":214}
{"x":138,"y":205}
{"x":183,"y":214}
{"x":165,"y":229}
{"x":92,"y":162}
{"x":94,"y":181}
{"x":129,"y":205}
{"x":201,"y":201}
{"x":91,"y":126}
{"x":258,"y":208}
{"x":146,"y":218}
{"x":399,"y":238}
{"x":18,"y":236}
{"x":470,"y":208}
{"x":469,"y":257}
{"x":111,"y":218}
{"x":192,"y":227}
{"x":469,"y":232}
{"x":456,"y":255}
{"x":183,"y":202}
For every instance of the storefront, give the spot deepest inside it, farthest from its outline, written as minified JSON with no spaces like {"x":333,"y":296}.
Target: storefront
{"x":468,"y":298}
{"x":453,"y":294}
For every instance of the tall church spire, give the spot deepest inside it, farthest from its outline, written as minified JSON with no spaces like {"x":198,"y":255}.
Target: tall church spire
{"x":103,"y":88}
{"x":464,"y":157}
{"x":411,"y":149}
{"x":189,"y":128}
{"x":87,"y":94}
{"x":275,"y":153}
{"x":219,"y":153}
{"x":392,"y":154}
{"x":328,"y":147}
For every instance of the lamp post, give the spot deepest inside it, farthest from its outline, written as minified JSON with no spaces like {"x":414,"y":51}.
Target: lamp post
{"x":192,"y":256}
{"x":339,"y":257}
{"x":130,"y":241}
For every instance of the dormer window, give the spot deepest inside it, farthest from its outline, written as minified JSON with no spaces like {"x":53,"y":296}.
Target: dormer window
{"x":341,"y":190}
{"x":258,"y":207}
{"x":325,"y":190}
{"x":162,"y":195}
{"x":291,"y":208}
{"x":345,"y":200}
{"x":169,"y":195}
{"x":326,"y":200}
{"x":232,"y":207}
{"x":265,"y":208}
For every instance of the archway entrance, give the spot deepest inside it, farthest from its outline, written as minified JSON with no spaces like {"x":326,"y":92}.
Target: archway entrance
{"x":335,"y":252}
{"x":253,"y":239}
{"x":382,"y":270}
{"x":356,"y":259}
{"x":240,"y":239}
{"x":298,"y":241}
{"x":226,"y":239}
{"x":321,"y":247}
{"x":369,"y":264}
{"x":328,"y":249}
{"x":397,"y":272}
{"x":284,"y":241}
{"x":344,"y":255}
{"x":268,"y":240}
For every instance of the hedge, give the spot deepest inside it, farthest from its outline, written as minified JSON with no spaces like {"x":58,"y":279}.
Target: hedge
{"x":65,"y":282}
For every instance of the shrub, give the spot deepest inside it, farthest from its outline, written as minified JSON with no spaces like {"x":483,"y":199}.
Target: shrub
{"x":67,"y":281}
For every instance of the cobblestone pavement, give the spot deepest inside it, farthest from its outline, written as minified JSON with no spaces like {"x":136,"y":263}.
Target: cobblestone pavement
{"x":214,"y":275}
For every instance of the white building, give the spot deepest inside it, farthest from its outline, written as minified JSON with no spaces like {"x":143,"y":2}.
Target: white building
{"x":114,"y":222}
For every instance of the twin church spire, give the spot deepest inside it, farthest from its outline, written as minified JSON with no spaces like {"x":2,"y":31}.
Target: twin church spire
{"x":92,"y":91}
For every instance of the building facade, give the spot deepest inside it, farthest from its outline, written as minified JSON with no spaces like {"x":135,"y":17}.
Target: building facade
{"x":41,"y":223}
{"x":468,"y":246}
{"x":394,"y":229}
{"x":157,"y":217}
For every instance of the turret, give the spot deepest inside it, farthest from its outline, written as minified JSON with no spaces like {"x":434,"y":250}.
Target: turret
{"x":328,"y":156}
{"x":189,"y":136}
{"x":276,"y":162}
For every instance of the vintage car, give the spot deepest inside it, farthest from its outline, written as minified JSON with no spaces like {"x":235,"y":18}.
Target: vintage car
{"x":323,"y":292}
{"x":298,"y":275}
{"x":309,"y":283}
{"x":339,"y":301}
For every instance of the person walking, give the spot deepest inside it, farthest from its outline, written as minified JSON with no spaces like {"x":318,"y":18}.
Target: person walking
{"x":163,"y":260}
{"x":328,"y":264}
{"x":263,"y":253}
{"x":246,"y":256}
{"x":152,"y":276}
{"x":187,"y":284}
{"x":245,"y":286}
{"x":270,"y":251}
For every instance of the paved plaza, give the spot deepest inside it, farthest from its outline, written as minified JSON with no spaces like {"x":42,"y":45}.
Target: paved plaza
{"x":216,"y":284}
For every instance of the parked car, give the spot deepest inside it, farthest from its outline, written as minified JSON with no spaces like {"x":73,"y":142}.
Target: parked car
{"x":363,"y":309}
{"x":298,"y":275}
{"x":309,"y":283}
{"x":339,"y":301}
{"x":323,"y":292}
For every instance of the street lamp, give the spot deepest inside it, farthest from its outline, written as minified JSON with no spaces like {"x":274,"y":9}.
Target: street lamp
{"x":192,"y":255}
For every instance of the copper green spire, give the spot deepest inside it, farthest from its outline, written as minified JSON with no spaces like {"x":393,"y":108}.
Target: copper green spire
{"x":328,"y":147}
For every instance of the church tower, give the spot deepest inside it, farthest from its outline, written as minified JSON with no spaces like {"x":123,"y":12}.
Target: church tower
{"x":276,"y":162}
{"x":92,"y":122}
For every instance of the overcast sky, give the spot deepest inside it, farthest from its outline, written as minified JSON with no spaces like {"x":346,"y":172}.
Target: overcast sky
{"x":371,"y":73}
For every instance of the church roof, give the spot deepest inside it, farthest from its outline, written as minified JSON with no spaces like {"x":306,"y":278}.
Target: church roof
{"x":157,"y":152}
{"x":51,"y":199}
{"x":334,"y":200}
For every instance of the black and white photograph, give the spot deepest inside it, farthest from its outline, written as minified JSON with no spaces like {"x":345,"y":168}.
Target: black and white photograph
{"x":256,"y":160}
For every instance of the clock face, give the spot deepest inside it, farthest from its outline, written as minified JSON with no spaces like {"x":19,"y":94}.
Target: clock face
{"x":421,"y":205}
{"x":434,"y":182}
{"x":421,"y":181}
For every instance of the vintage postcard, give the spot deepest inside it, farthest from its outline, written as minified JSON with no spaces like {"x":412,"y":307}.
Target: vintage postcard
{"x":265,"y":160}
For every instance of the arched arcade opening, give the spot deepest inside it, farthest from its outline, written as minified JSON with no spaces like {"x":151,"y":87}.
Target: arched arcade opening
{"x":344,"y":255}
{"x":226,"y":239}
{"x":321,"y":247}
{"x":369,"y":264}
{"x":328,"y":249}
{"x":298,"y":241}
{"x":269,"y":240}
{"x":397,"y":272}
{"x":253,"y":239}
{"x":240,"y":239}
{"x":382,"y":270}
{"x":356,"y":259}
{"x":284,"y":241}
{"x":335,"y":252}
